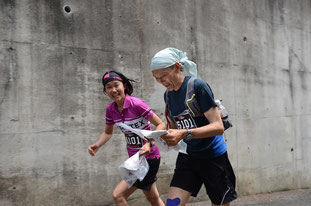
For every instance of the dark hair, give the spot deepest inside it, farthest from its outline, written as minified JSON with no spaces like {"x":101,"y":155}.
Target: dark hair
{"x":126,"y":81}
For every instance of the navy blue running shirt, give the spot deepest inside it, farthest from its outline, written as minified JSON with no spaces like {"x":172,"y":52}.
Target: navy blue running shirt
{"x":204,"y":148}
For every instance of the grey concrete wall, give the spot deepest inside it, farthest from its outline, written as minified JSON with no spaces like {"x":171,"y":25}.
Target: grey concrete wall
{"x":254,"y":53}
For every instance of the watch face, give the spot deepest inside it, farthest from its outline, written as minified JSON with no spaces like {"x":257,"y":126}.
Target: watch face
{"x":189,"y":135}
{"x":188,"y":138}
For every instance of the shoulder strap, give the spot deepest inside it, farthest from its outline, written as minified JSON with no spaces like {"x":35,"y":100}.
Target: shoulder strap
{"x":194,"y":107}
{"x":168,"y":125}
{"x":190,"y":99}
{"x":190,"y":88}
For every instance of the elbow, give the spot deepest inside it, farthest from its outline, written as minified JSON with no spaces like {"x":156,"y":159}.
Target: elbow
{"x":161,"y":126}
{"x":220,"y":129}
{"x":220,"y":132}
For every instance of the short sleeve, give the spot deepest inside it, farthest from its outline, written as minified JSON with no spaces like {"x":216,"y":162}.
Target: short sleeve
{"x":143,"y":109}
{"x":109,"y":119}
{"x":204,"y":95}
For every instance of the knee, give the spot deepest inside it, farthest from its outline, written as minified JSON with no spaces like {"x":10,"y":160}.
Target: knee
{"x":173,"y":202}
{"x":153,"y":199}
{"x":118,"y":197}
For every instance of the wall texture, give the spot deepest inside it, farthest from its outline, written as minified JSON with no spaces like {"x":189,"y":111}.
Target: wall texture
{"x":255,"y":55}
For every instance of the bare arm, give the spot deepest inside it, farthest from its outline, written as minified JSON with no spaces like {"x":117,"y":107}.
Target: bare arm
{"x":104,"y":137}
{"x":156,"y":121}
{"x":214,"y":128}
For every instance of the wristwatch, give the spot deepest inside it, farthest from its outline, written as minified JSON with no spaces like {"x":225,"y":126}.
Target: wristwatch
{"x":188,"y":137}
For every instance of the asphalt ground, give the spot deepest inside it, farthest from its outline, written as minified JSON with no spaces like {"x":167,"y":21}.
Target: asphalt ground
{"x":300,"y":197}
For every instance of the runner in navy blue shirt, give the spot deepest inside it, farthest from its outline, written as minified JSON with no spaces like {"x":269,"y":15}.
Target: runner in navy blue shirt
{"x":206,"y":161}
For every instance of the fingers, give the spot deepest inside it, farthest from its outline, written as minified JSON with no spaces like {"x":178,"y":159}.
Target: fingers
{"x":92,"y":150}
{"x":145,"y":150}
{"x":171,"y":143}
{"x":165,"y":137}
{"x":169,"y":139}
{"x":173,"y":137}
{"x":142,"y":153}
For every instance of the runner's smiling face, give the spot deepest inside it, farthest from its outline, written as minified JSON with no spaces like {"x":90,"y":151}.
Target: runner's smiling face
{"x":167,"y":77}
{"x":115,"y":90}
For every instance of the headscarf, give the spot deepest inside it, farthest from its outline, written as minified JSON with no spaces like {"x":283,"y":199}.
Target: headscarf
{"x":169,"y":56}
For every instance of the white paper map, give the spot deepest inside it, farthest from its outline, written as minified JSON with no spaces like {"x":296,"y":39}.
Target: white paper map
{"x":156,"y":135}
{"x":135,"y":167}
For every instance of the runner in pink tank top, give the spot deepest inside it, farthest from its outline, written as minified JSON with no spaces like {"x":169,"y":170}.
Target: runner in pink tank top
{"x":135,"y":113}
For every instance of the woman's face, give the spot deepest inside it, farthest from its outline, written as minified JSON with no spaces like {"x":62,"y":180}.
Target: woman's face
{"x":115,"y":90}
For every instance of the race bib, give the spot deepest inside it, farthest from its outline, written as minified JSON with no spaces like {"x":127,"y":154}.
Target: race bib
{"x":185,"y":120}
{"x":133,"y":140}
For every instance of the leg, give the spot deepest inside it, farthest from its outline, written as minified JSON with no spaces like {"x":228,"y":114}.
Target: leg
{"x":219,"y":180}
{"x":185,"y":181}
{"x":153,"y":196}
{"x":183,"y":195}
{"x":121,"y":193}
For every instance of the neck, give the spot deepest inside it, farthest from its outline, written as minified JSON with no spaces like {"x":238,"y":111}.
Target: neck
{"x":179,"y":81}
{"x":120,"y":104}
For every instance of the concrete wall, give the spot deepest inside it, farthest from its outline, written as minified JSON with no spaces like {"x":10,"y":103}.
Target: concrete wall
{"x":255,"y":55}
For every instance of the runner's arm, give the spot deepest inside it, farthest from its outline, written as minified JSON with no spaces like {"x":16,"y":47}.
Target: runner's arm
{"x":214,"y":128}
{"x":156,"y":121}
{"x":104,"y":137}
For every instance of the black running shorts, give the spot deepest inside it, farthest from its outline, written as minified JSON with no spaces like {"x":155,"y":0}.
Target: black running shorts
{"x":216,"y":174}
{"x":151,"y":176}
